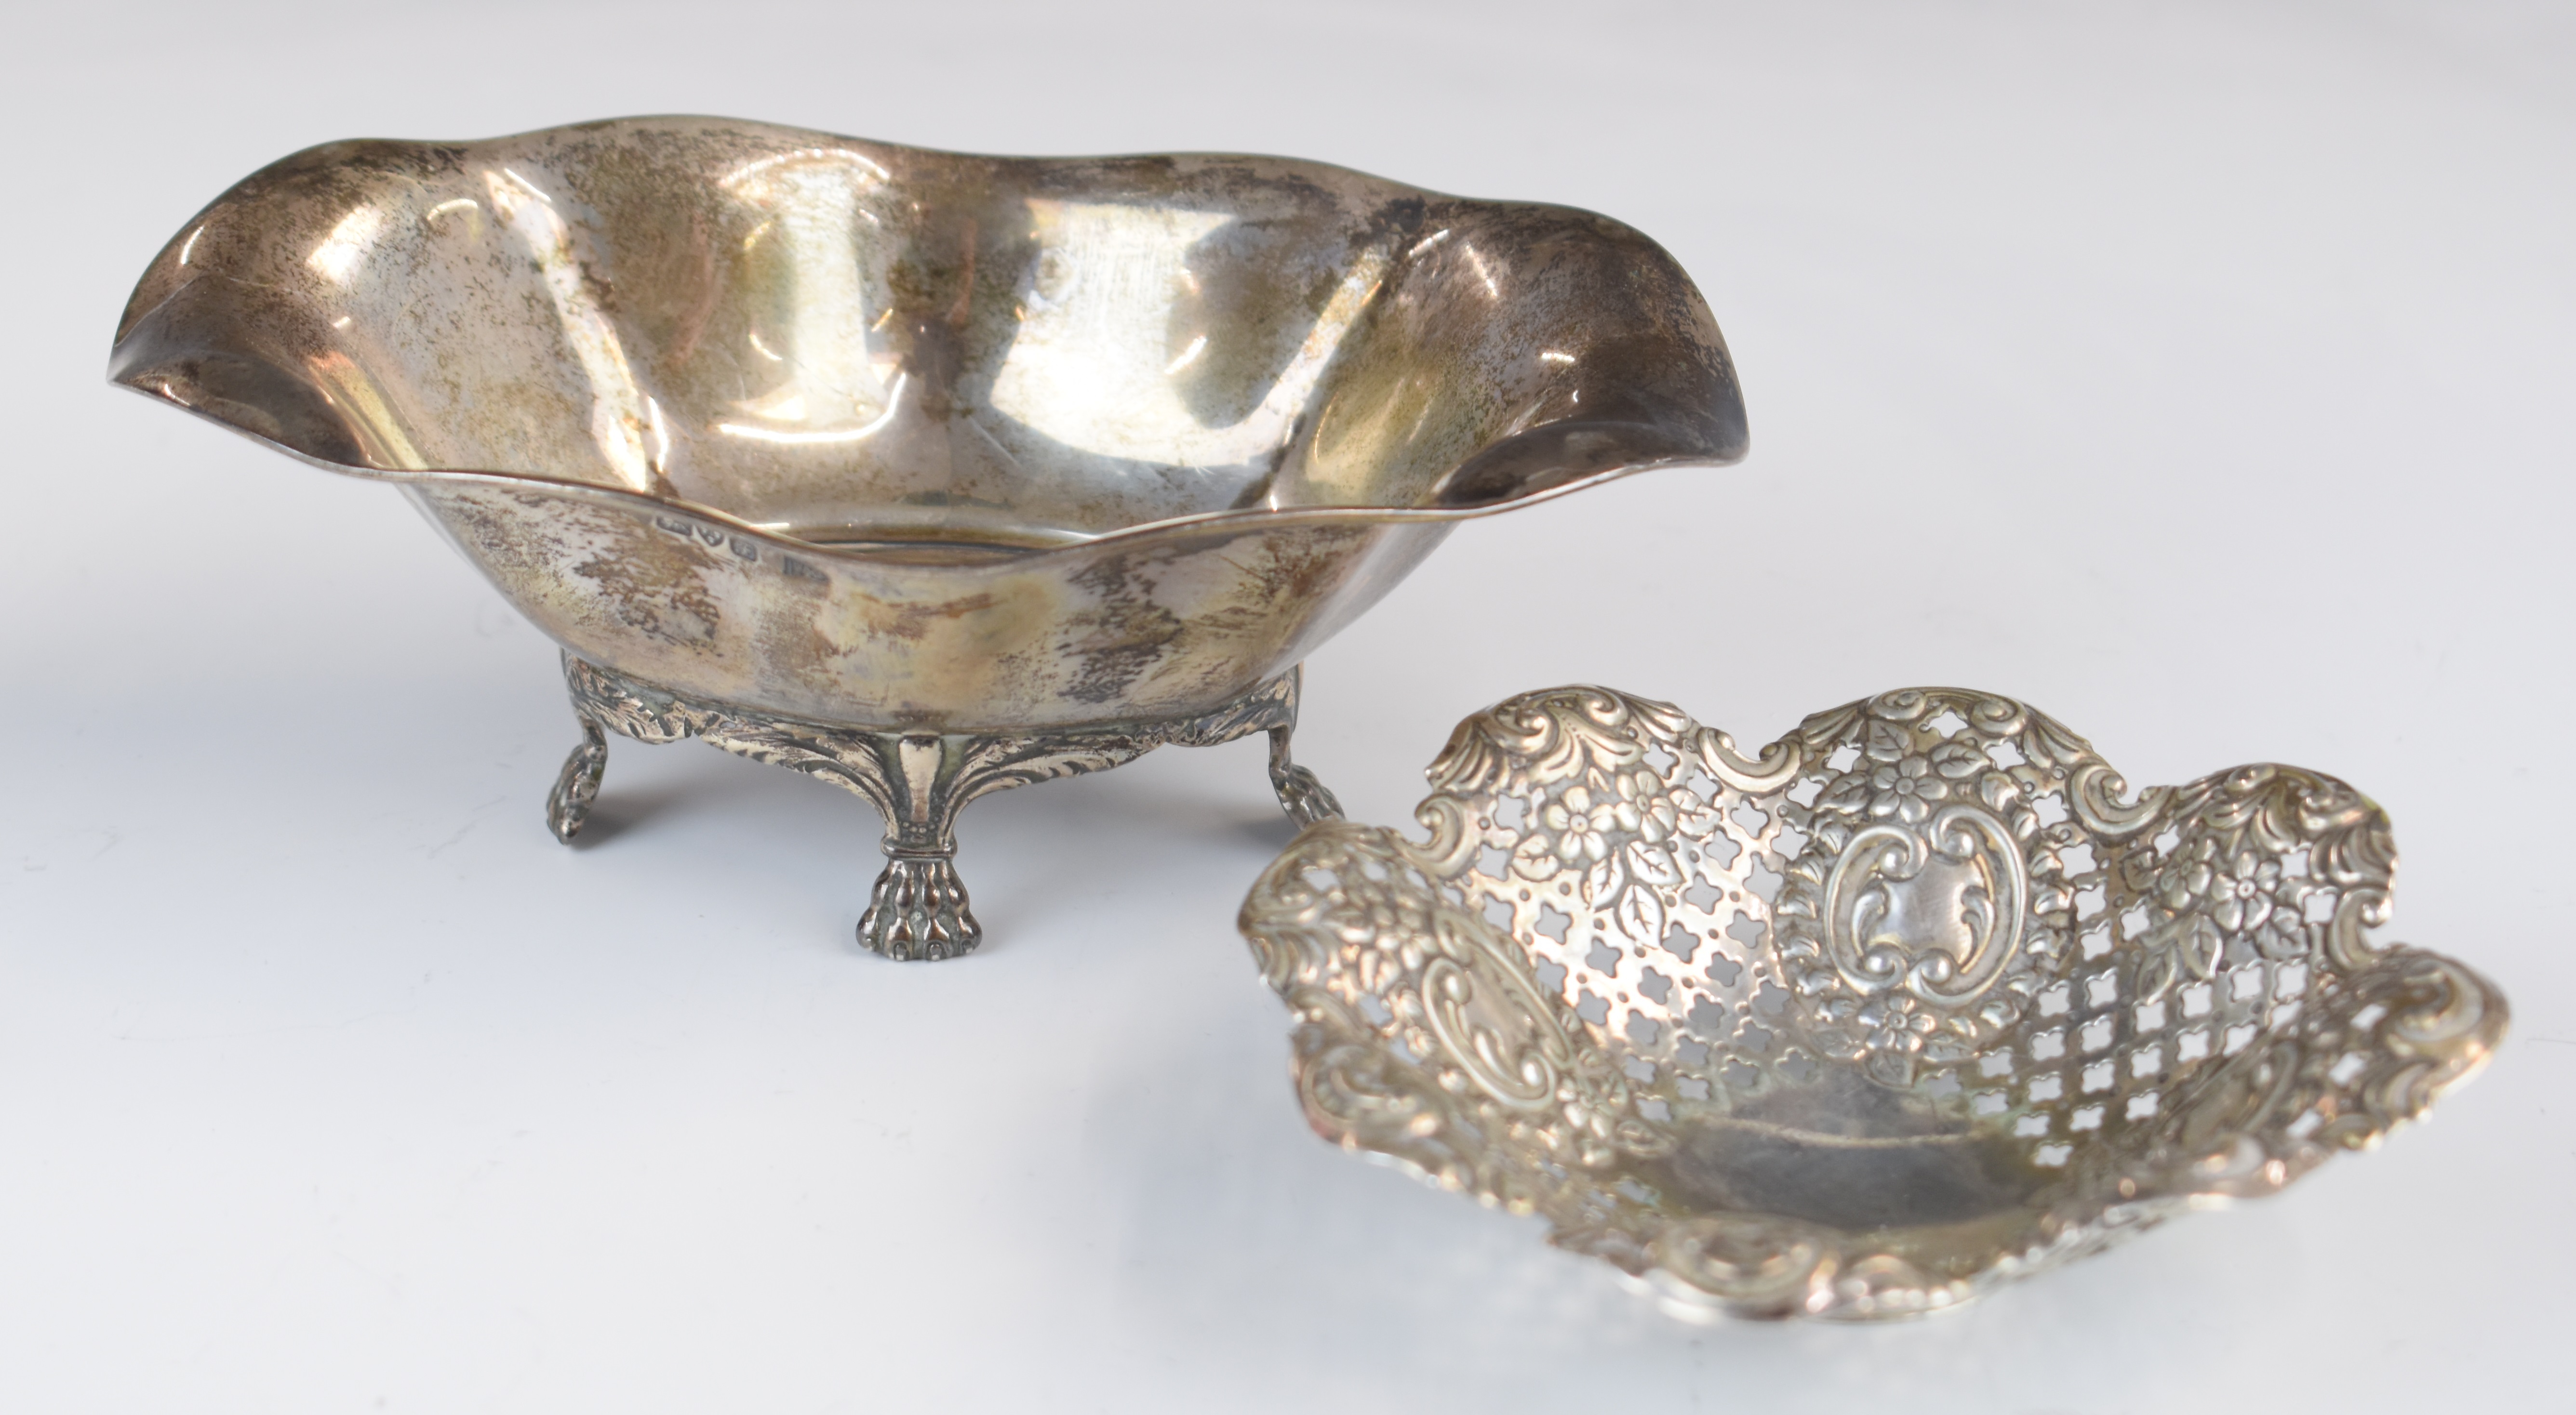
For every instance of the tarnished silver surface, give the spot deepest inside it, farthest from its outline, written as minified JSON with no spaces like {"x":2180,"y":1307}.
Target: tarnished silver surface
{"x":1915,"y":1001}
{"x":876,"y":436}
{"x":926,"y":445}
{"x":917,"y":780}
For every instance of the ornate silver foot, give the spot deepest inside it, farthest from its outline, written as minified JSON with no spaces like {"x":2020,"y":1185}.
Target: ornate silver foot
{"x":1303,"y":797}
{"x":918,"y":781}
{"x":1271,"y":708}
{"x":918,"y":912}
{"x":577,"y":785}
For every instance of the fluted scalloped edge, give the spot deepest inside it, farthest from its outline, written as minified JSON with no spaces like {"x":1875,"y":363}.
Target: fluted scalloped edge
{"x":2181,"y":1006}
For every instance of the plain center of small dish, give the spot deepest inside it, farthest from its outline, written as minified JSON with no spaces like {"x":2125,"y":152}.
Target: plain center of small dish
{"x":1821,"y":1172}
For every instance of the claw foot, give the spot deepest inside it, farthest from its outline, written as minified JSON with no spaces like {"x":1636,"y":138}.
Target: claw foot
{"x":1305,"y":799}
{"x":577,"y":785}
{"x":918,"y":911}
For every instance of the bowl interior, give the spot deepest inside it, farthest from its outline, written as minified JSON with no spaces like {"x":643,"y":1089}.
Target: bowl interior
{"x":849,"y":342}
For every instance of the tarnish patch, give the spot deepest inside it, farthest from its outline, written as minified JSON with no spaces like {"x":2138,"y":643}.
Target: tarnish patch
{"x":1121,"y":637}
{"x":656,"y":585}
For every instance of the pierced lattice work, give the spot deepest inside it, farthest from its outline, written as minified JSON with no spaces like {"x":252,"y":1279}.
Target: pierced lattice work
{"x":1919,"y":964}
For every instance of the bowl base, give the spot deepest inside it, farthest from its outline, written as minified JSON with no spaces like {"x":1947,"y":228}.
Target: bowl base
{"x":919,"y":781}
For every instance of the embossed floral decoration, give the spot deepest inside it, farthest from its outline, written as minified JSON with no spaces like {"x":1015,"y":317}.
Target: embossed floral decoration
{"x":1915,"y":1001}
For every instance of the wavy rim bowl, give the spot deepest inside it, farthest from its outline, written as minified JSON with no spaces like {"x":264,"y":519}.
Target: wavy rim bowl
{"x":925,"y":473}
{"x":1911,"y":1003}
{"x":875,"y":436}
{"x":164,"y":363}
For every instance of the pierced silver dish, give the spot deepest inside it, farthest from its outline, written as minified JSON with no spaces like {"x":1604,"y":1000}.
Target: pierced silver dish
{"x":925,"y":473}
{"x":1911,"y":1003}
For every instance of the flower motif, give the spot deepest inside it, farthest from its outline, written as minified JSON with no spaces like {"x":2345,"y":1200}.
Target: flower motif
{"x":2188,"y":879}
{"x":1580,"y":825}
{"x":2244,"y":895}
{"x":1906,"y":789}
{"x":1896,"y":1026}
{"x":2241,"y":900}
{"x":1657,"y":816}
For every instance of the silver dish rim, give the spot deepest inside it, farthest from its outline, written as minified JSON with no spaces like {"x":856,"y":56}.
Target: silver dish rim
{"x":1140,"y":534}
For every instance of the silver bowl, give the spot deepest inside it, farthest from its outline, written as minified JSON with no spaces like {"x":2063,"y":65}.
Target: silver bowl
{"x":923,"y":472}
{"x":1911,"y":1003}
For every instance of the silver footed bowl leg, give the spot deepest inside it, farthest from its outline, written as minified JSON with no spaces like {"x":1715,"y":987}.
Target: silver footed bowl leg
{"x":577,"y":785}
{"x":1305,"y":799}
{"x":919,"y":781}
{"x":918,"y":911}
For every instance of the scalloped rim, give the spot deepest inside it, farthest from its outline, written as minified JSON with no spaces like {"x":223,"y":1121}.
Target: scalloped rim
{"x":1174,"y":528}
{"x":1287,"y":915}
{"x":1143,"y":533}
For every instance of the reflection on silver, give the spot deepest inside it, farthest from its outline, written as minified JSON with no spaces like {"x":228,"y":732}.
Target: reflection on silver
{"x":617,"y":416}
{"x":1912,"y":1003}
{"x":892,"y":400}
{"x":807,"y":251}
{"x":825,"y":431}
{"x":337,"y":258}
{"x":1091,"y":353}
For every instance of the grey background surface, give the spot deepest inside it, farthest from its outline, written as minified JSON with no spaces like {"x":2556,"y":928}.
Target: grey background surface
{"x":2197,"y":372}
